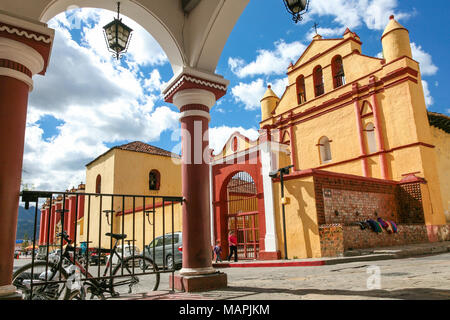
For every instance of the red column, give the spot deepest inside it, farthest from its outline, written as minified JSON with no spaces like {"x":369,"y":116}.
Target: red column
{"x":72,"y":216}
{"x":52,"y":224}
{"x":23,"y":53}
{"x":44,"y":223}
{"x":41,"y":226}
{"x":13,"y":111}
{"x":195,"y":186}
{"x":194,"y":96}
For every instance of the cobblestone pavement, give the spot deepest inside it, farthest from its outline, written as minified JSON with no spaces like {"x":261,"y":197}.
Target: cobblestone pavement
{"x":425,"y":277}
{"x":420,"y":277}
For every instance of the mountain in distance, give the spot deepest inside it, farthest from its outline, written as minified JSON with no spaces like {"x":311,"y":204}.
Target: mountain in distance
{"x":25,"y":223}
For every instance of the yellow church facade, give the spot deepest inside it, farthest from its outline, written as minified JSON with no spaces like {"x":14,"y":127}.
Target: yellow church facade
{"x":362,"y":146}
{"x":348,"y":113}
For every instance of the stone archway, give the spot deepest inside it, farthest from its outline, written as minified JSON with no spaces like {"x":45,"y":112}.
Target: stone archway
{"x":146,"y":16}
{"x":222,"y":179}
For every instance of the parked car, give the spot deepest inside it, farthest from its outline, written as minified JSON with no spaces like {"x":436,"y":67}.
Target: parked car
{"x":42,"y":253}
{"x":128,"y":251}
{"x":95,"y":258}
{"x":162,"y":247}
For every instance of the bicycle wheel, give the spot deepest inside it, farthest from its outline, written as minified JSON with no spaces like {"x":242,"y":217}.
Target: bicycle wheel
{"x":135,"y":276}
{"x":41,"y":289}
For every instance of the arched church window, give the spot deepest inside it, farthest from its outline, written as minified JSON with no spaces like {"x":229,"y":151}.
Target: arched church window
{"x":338,"y":72}
{"x":325,"y":149}
{"x":318,"y":81}
{"x":154,"y":180}
{"x":301,"y":91}
{"x":98,"y":184}
{"x":370,"y":138}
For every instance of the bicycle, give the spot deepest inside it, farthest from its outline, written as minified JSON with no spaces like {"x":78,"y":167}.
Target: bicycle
{"x":56,"y":282}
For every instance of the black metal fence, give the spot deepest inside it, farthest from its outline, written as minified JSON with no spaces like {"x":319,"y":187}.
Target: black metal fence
{"x":97,"y":239}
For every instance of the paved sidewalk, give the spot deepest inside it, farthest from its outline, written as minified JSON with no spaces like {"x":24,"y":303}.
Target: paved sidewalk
{"x":409,"y":272}
{"x":371,"y":254}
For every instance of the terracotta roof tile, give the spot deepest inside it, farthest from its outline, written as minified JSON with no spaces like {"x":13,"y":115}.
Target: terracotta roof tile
{"x":440,"y":121}
{"x":138,"y":146}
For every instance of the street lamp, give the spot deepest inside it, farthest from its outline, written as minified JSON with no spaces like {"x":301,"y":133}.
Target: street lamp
{"x":117,"y":35}
{"x":273,"y":175}
{"x":297,"y":8}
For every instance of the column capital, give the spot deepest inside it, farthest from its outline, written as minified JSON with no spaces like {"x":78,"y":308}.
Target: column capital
{"x":189,"y":78}
{"x":25,"y":48}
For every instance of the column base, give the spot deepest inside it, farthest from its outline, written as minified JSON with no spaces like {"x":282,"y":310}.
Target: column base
{"x":200,"y":283}
{"x":269,"y":255}
{"x":12,"y":296}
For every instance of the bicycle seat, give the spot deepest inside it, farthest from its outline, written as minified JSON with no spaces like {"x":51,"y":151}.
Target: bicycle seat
{"x":116,"y":236}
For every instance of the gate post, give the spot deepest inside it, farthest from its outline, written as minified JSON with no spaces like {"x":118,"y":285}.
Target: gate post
{"x":24,"y":51}
{"x":194,"y":94}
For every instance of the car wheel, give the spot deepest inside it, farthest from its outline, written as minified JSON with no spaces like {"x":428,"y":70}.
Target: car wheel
{"x":169,"y":262}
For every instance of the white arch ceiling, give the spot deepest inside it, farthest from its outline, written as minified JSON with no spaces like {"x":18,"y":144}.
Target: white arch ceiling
{"x":190,"y":40}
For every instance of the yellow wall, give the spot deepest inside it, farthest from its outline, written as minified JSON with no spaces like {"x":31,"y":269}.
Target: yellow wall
{"x":302,"y":232}
{"x":140,"y":220}
{"x":105,"y":167}
{"x":126,"y":173}
{"x":442,"y":143}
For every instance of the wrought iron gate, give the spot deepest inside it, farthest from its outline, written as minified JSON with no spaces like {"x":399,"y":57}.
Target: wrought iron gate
{"x":89,"y":222}
{"x":242,"y":209}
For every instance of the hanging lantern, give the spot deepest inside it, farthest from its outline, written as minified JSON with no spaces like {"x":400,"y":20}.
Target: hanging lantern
{"x":297,"y":8}
{"x":117,"y":36}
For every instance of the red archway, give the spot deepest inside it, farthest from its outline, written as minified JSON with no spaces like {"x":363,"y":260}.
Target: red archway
{"x":222,"y":174}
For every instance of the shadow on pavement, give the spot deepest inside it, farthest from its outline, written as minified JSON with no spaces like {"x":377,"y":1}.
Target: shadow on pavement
{"x":404,"y":294}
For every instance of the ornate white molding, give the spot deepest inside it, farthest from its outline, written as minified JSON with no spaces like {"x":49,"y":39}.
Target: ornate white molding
{"x":187,"y":78}
{"x":17,"y":75}
{"x":194,"y":96}
{"x":21,"y":53}
{"x":22,"y":33}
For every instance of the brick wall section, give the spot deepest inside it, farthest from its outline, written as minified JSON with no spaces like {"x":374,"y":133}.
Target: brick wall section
{"x":410,"y":203}
{"x":331,"y":240}
{"x":335,"y":239}
{"x":354,"y":200}
{"x":355,"y":238}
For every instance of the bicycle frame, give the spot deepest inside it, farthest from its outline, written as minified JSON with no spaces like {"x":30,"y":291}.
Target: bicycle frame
{"x":102,"y":286}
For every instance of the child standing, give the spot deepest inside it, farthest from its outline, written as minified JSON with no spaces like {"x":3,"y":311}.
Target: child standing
{"x":218,"y":251}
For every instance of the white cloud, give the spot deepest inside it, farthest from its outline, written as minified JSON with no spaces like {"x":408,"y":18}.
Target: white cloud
{"x":426,"y":91}
{"x":326,"y":33}
{"x":374,"y":14}
{"x":250,"y":94}
{"x":96,"y":100}
{"x":218,"y":136}
{"x":268,"y":62}
{"x":427,"y":67}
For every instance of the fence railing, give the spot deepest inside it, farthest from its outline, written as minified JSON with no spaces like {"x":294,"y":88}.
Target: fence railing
{"x":104,"y":237}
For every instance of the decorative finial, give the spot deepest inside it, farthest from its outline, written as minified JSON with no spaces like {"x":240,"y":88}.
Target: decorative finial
{"x":391,"y":17}
{"x":315,"y":27}
{"x":269,"y":86}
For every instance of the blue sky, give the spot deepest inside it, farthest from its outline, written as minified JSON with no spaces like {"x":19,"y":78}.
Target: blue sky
{"x":88,"y":103}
